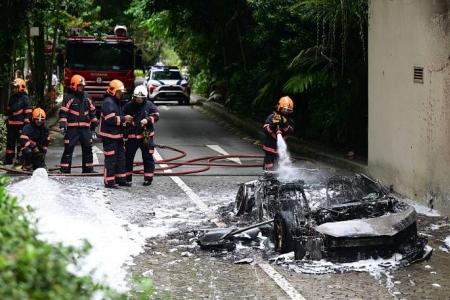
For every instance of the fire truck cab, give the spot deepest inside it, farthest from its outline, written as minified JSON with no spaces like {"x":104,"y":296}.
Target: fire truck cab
{"x":100,"y":60}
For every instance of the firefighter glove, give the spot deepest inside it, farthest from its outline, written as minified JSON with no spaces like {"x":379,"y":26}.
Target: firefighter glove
{"x":276,"y":119}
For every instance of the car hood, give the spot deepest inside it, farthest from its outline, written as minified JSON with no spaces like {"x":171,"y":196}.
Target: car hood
{"x":386,"y":225}
{"x":168,"y":82}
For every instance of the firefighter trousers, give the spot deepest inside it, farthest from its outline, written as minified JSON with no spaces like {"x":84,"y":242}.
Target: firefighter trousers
{"x":147,"y":149}
{"x":33,"y":159}
{"x":114,"y":151}
{"x":73,"y":135}
{"x":269,"y":160}
{"x":12,"y":142}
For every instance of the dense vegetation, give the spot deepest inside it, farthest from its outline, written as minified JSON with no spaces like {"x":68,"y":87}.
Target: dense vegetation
{"x":249,"y":51}
{"x":253,"y":51}
{"x":31,"y":268}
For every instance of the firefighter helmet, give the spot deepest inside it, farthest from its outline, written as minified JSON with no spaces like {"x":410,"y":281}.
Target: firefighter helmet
{"x":140,"y":91}
{"x":285,"y":105}
{"x":76,"y":80}
{"x":114,"y":86}
{"x":39,"y":114}
{"x":20,"y":83}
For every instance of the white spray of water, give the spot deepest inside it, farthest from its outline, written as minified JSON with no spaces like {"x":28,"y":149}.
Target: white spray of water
{"x":286,"y":170}
{"x":83,"y":214}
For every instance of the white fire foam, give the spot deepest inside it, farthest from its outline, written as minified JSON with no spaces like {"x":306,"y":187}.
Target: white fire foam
{"x":72,"y":217}
{"x":447,"y":241}
{"x":286,"y":170}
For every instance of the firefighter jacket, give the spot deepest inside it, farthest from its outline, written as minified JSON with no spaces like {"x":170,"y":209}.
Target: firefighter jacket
{"x":111,"y":118}
{"x":284,"y":126}
{"x":146,"y":110}
{"x":19,"y":109}
{"x":34,"y":136}
{"x":77,"y":110}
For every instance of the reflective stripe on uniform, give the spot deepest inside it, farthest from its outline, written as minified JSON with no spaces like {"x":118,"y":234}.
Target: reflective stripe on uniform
{"x":12,"y":122}
{"x":109,"y":153}
{"x":109,"y":116}
{"x":109,"y":135}
{"x":18,"y":112}
{"x":268,"y":149}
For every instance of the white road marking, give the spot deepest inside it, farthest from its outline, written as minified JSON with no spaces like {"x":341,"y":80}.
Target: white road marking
{"x":219,"y":149}
{"x":281,"y":281}
{"x":268,"y":269}
{"x":163,"y":107}
{"x":96,"y":150}
{"x":189,"y":192}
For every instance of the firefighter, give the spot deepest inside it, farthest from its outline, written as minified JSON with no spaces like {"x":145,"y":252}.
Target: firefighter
{"x":34,"y":141}
{"x":18,"y":114}
{"x":276,"y":123}
{"x":77,"y":118}
{"x":140,"y":133}
{"x":112,"y":122}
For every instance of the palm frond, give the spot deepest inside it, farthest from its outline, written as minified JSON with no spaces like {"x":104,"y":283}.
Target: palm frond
{"x":302,"y":82}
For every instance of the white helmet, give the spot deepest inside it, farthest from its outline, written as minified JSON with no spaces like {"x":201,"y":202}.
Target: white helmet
{"x":140,"y":91}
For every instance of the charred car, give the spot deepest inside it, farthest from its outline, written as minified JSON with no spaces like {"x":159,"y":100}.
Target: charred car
{"x":344,"y":218}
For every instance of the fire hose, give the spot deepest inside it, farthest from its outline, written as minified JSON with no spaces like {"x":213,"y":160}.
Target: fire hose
{"x":201,"y":164}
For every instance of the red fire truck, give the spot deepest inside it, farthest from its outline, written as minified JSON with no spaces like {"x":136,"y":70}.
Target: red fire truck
{"x":100,"y":60}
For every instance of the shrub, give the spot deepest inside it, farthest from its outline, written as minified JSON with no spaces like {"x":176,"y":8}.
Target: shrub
{"x":33,"y":269}
{"x":2,"y":134}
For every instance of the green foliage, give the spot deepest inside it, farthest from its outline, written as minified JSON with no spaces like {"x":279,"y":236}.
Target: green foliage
{"x":2,"y":133}
{"x":201,"y":83}
{"x":33,"y":269}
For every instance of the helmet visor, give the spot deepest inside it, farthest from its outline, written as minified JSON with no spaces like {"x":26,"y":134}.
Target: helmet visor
{"x":286,"y":110}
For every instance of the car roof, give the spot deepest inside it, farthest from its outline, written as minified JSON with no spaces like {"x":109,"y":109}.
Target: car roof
{"x":164,"y":68}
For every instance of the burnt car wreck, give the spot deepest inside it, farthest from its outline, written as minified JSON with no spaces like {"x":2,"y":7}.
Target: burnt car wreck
{"x":345,"y":218}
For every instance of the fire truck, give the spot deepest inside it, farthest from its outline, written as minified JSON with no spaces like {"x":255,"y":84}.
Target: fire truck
{"x":100,"y":60}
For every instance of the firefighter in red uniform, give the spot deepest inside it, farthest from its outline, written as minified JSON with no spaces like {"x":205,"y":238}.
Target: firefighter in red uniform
{"x":77,"y":120}
{"x":112,"y":122}
{"x":34,"y":141}
{"x":140,"y":133}
{"x":18,"y":114}
{"x":276,"y":123}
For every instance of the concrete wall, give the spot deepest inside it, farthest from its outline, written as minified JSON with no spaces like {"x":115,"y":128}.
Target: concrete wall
{"x":409,"y":123}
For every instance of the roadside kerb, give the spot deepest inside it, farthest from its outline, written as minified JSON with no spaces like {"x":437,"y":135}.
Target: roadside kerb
{"x":254,"y":129}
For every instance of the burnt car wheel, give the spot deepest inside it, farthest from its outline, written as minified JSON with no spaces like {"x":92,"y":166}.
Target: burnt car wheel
{"x":282,"y":235}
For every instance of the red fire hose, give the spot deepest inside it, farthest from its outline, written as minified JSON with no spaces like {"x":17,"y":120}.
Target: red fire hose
{"x":204,"y":163}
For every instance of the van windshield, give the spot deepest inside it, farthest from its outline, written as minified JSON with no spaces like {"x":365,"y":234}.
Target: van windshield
{"x":99,"y":56}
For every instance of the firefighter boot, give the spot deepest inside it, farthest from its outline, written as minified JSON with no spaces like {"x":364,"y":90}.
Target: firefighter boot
{"x":124,"y":183}
{"x":147,"y":182}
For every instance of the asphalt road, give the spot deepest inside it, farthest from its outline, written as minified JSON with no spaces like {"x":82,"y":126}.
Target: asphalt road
{"x":166,"y":214}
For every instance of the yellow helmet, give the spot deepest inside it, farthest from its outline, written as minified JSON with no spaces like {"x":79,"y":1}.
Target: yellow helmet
{"x":20,"y":83}
{"x":285,"y":105}
{"x":114,"y":86}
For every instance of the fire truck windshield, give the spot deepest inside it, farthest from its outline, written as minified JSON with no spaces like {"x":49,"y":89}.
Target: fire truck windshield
{"x":99,"y":56}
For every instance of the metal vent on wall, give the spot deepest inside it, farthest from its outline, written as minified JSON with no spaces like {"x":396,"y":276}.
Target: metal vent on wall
{"x":418,"y":74}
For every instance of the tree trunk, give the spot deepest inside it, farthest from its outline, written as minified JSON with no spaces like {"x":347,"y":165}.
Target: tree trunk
{"x":39,"y":75}
{"x":30,"y":60}
{"x":52,"y":58}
